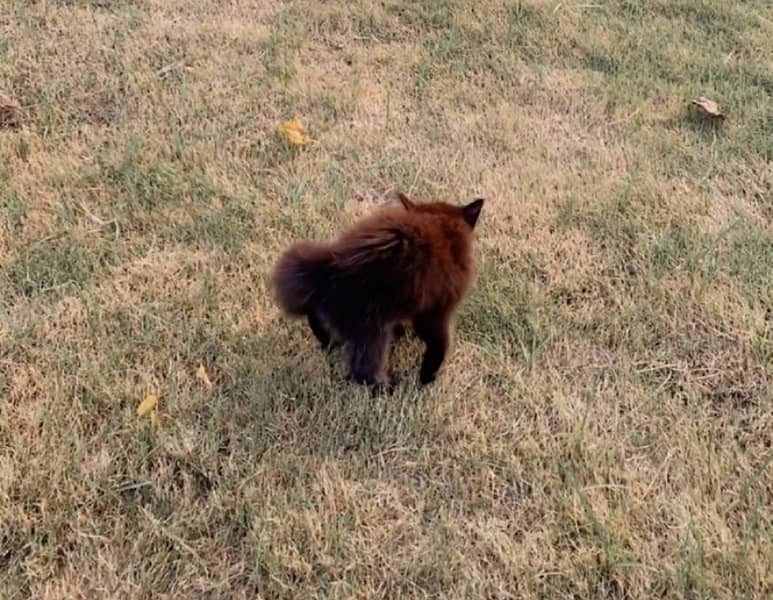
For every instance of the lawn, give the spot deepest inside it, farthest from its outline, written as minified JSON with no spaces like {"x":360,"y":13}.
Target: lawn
{"x":603,"y":427}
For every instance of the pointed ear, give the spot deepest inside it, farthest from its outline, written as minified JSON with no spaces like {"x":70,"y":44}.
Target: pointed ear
{"x":406,"y":201}
{"x":471,"y":212}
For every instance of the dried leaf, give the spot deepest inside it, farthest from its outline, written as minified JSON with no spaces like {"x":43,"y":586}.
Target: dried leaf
{"x":148,"y":404}
{"x":155,"y":423}
{"x":10,"y":110}
{"x":201,"y":374}
{"x":173,"y":67}
{"x":708,"y":107}
{"x":294,"y":125}
{"x":294,"y":132}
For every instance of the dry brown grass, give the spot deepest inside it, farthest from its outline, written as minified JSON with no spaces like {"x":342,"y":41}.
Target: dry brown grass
{"x":603,"y":426}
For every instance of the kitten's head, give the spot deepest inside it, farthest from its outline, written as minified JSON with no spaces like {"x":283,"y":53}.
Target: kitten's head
{"x":469,"y":212}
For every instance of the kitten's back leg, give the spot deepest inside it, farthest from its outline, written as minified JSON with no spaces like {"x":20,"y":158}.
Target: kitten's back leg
{"x":367,"y":355}
{"x":432,"y":329}
{"x":320,"y":331}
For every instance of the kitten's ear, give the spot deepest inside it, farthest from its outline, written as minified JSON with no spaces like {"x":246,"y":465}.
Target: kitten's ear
{"x":471,"y":211}
{"x":406,"y":201}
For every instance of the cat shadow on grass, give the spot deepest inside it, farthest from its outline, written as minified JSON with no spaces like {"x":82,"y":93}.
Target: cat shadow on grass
{"x":287,"y":392}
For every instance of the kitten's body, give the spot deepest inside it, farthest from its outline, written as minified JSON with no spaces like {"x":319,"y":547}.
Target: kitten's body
{"x":412,"y":263}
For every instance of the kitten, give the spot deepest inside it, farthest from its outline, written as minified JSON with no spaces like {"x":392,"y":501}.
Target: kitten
{"x":411,"y":263}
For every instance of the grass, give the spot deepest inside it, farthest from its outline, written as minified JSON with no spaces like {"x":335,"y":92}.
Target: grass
{"x":603,"y":425}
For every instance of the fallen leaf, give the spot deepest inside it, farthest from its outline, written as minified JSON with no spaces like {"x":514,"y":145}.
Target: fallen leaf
{"x":10,"y":110}
{"x":294,"y":132}
{"x":129,"y":486}
{"x":708,"y":107}
{"x":148,"y":404}
{"x":155,"y":423}
{"x":201,"y":374}
{"x":173,"y":67}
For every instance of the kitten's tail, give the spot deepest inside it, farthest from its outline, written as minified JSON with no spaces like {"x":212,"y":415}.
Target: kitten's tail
{"x":298,"y":275}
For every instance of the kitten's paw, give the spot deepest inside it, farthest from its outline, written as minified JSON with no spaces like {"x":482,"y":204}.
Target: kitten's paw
{"x":330,"y":346}
{"x":386,"y":385}
{"x":426,"y":378}
{"x":393,"y":380}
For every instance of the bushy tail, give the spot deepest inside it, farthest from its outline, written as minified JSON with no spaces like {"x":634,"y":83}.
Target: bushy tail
{"x":298,"y":275}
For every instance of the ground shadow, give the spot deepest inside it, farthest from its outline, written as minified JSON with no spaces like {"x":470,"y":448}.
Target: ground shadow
{"x":286,"y":392}
{"x":691,"y":119}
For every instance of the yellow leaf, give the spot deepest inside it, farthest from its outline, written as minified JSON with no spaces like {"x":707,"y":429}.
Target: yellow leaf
{"x":294,"y":125}
{"x":294,"y":132}
{"x":148,"y":404}
{"x":201,"y":374}
{"x":297,"y":138}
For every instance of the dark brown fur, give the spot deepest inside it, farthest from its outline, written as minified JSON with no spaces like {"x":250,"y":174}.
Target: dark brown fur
{"x":410,"y":263}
